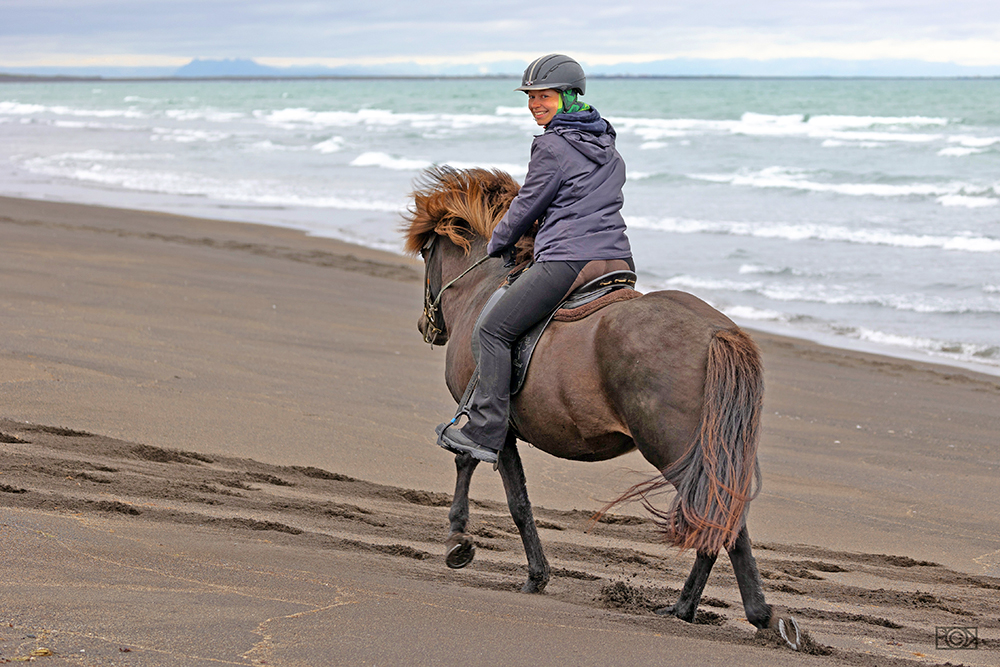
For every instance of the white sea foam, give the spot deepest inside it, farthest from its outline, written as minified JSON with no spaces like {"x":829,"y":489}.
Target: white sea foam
{"x":386,"y":161}
{"x":758,"y":269}
{"x":95,"y":155}
{"x":837,"y":143}
{"x":844,"y":129}
{"x":755,"y":314}
{"x":20,"y":109}
{"x":213,"y":115}
{"x":251,"y":191}
{"x":331,"y":145}
{"x":268,"y":146}
{"x":187,"y":136}
{"x":800,"y":232}
{"x":324,"y":201}
{"x":959,"y":151}
{"x":93,"y":125}
{"x":973,"y":141}
{"x":837,"y":294}
{"x":838,"y":121}
{"x":953,"y":193}
{"x":515,"y":170}
{"x":17,"y":108}
{"x":966,"y":201}
{"x":989,"y":354}
{"x":297,"y":117}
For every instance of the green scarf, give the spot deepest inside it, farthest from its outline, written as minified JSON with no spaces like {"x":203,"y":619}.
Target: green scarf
{"x":570,"y":102}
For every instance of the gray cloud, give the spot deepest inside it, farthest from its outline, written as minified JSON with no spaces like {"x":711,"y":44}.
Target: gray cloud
{"x":400,"y":28}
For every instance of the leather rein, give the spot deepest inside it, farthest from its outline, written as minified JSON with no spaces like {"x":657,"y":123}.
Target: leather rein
{"x":432,"y":304}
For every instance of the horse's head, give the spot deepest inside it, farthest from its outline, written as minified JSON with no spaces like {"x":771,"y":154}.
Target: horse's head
{"x":453,"y":210}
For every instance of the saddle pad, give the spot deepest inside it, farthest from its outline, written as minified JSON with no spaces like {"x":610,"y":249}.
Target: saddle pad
{"x":580,"y":312}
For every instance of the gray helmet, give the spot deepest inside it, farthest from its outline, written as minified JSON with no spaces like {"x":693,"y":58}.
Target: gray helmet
{"x":554,"y":71}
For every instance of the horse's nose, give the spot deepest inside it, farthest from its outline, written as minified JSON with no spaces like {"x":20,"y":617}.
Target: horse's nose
{"x":424,"y":326}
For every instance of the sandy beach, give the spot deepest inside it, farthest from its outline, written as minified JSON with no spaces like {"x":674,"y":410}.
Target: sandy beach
{"x":216,"y":446}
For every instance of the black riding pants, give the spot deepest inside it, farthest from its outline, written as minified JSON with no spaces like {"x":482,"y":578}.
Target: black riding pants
{"x":531,"y":297}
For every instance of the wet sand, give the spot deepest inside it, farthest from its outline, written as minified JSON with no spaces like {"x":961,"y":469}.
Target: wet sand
{"x":195,"y":413}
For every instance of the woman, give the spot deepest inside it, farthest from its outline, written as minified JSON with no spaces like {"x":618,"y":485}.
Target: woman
{"x":573,"y":188}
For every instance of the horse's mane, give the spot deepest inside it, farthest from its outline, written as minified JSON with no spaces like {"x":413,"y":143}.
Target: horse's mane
{"x":459,"y":204}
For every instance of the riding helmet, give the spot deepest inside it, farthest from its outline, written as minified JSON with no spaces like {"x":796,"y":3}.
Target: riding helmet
{"x":554,"y":71}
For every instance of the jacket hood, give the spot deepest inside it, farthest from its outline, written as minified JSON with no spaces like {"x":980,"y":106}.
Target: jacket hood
{"x":587,"y":132}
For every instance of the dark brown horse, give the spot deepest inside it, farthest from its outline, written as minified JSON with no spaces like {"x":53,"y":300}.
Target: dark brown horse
{"x":664,"y":373}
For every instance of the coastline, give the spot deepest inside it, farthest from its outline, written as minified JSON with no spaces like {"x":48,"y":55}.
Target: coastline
{"x":262,"y":343}
{"x":263,"y":217}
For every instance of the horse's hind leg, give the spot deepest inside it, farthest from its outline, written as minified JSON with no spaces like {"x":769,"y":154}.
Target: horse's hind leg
{"x":459,"y":547}
{"x":687,"y":605}
{"x":748,"y":577}
{"x":758,"y":612}
{"x":512,"y":473}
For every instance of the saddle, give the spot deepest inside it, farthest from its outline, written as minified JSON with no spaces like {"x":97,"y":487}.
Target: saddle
{"x":583,"y":301}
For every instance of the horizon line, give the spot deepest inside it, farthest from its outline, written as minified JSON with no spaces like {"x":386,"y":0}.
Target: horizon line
{"x":6,"y":77}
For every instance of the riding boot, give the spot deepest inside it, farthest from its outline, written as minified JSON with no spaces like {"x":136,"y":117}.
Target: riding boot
{"x":490,"y":403}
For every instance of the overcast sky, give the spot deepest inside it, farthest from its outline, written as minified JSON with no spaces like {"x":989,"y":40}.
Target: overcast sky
{"x":338,"y":32}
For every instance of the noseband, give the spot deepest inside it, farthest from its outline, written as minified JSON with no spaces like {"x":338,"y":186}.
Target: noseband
{"x":432,"y":304}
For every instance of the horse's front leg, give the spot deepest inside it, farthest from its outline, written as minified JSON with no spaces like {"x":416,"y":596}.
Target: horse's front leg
{"x":758,"y":612}
{"x":687,"y":605}
{"x":459,"y":547}
{"x":512,"y":474}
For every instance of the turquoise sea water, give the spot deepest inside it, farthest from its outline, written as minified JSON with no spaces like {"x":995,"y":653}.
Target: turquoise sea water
{"x":857,"y":212}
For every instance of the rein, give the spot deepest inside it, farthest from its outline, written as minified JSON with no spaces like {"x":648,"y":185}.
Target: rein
{"x":432,"y":304}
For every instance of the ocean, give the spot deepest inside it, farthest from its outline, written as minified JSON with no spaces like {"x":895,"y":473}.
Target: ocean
{"x":858,"y":213}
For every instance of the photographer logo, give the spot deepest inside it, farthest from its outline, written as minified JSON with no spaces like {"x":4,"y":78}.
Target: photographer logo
{"x":952,"y":637}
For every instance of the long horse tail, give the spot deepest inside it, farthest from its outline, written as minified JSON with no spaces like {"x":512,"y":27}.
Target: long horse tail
{"x":718,"y":476}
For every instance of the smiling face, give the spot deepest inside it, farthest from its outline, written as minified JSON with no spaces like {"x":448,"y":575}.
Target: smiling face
{"x":543,"y":105}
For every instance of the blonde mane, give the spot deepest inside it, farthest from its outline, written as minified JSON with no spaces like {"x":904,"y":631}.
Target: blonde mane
{"x":459,"y":204}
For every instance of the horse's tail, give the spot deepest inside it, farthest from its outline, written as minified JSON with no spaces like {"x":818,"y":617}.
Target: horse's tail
{"x":718,"y":476}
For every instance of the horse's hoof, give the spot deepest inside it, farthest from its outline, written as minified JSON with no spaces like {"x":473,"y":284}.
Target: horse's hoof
{"x":532,"y":586}
{"x":672,"y":610}
{"x":785,"y":628}
{"x":460,"y":554}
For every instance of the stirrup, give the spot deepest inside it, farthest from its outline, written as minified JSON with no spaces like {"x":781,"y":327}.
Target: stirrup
{"x":462,"y":411}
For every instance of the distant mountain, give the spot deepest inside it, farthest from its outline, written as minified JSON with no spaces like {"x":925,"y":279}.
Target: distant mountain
{"x":226,"y":67}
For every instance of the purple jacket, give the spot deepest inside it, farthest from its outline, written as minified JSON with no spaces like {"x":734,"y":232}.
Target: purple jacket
{"x":574,"y":189}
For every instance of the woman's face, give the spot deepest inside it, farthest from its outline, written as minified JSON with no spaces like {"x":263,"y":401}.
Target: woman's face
{"x":543,"y":105}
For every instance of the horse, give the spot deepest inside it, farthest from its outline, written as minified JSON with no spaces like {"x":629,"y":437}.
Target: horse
{"x":664,"y":373}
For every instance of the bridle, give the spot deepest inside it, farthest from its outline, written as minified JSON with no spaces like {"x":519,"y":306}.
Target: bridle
{"x":432,"y":304}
